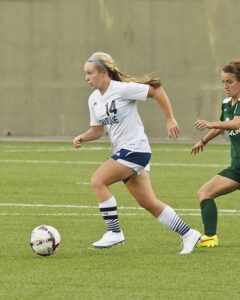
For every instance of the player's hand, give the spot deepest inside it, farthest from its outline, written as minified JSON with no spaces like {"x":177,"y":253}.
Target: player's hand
{"x":77,"y":142}
{"x":173,"y":129}
{"x":200,"y":125}
{"x":197,"y":147}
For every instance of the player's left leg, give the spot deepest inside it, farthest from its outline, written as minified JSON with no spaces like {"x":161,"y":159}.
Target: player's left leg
{"x":215,"y":187}
{"x":141,"y":189}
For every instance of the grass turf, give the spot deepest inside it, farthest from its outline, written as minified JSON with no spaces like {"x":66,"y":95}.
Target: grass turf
{"x":48,"y":183}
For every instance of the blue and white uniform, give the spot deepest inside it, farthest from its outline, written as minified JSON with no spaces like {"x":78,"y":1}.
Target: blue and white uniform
{"x":117,"y":110}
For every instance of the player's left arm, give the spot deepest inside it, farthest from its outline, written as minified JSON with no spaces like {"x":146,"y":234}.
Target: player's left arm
{"x":162,"y":98}
{"x":225,"y":125}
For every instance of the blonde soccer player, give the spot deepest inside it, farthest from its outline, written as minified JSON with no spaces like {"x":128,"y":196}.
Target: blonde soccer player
{"x":113,"y":107}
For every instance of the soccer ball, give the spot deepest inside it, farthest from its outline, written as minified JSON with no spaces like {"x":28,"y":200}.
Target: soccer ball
{"x":45,"y":240}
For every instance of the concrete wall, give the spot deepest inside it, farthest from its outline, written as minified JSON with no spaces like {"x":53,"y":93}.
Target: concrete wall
{"x":44,"y":44}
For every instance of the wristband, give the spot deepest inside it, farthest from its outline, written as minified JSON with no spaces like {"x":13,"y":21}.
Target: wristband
{"x":204,"y":143}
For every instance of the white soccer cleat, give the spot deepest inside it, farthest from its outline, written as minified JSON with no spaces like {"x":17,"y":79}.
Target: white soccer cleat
{"x":110,"y":239}
{"x":190,"y":240}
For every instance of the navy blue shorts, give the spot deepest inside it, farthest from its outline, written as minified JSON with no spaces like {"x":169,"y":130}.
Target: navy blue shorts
{"x":138,"y":161}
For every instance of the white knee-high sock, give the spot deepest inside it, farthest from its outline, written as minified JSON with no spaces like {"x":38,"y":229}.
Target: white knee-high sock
{"x":170,"y":219}
{"x":109,"y":213}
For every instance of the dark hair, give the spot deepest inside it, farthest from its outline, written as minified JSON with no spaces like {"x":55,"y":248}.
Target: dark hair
{"x":233,"y":67}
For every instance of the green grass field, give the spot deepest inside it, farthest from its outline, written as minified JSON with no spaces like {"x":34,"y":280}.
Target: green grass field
{"x":48,"y":183}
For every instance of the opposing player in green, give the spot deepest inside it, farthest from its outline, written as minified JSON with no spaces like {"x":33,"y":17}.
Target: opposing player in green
{"x":228,"y":180}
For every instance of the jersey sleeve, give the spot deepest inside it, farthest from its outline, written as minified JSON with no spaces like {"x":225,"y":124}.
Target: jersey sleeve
{"x":221,"y":116}
{"x":237,"y":109}
{"x":93,"y":119}
{"x":134,"y":91}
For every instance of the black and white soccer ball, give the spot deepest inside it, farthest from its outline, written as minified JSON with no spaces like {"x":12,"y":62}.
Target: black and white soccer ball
{"x":45,"y":240}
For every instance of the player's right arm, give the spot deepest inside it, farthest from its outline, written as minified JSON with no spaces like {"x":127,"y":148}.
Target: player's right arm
{"x":204,"y":140}
{"x":93,"y":133}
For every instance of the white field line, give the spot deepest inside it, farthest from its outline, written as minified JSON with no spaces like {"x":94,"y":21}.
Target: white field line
{"x":181,"y":211}
{"x":49,"y":205}
{"x":95,"y":206}
{"x":95,"y":214}
{"x":2,"y":214}
{"x":60,"y":149}
{"x":31,"y":161}
{"x":65,"y":214}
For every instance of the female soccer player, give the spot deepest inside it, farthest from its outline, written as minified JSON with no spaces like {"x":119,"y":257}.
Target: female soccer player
{"x":113,"y":107}
{"x":228,"y":180}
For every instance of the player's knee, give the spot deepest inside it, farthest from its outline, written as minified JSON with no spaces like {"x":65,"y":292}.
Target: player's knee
{"x":148,"y":204}
{"x":202,"y":194}
{"x":96,"y":183}
{"x":198,"y":195}
{"x":142,"y":203}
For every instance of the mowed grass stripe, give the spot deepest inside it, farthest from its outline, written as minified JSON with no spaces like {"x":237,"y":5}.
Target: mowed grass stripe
{"x":15,"y":149}
{"x":31,"y":161}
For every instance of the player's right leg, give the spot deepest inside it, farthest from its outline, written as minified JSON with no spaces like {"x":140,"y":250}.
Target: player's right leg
{"x":108,"y":173}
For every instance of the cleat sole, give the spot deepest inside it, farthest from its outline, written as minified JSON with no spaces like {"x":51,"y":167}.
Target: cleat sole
{"x":206,"y":246}
{"x":110,"y":246}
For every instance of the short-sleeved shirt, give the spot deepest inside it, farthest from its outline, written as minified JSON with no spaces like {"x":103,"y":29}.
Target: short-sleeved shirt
{"x":228,"y":113}
{"x":117,"y":110}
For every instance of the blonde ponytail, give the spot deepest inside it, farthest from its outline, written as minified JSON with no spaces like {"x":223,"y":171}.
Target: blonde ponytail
{"x":105,"y":61}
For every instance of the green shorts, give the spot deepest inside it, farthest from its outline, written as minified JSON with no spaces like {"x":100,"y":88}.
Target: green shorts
{"x":231,"y":173}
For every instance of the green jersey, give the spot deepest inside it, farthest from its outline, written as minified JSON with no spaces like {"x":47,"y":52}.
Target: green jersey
{"x":228,"y":113}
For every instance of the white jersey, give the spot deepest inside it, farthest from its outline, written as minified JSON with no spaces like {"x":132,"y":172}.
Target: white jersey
{"x":117,"y":110}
